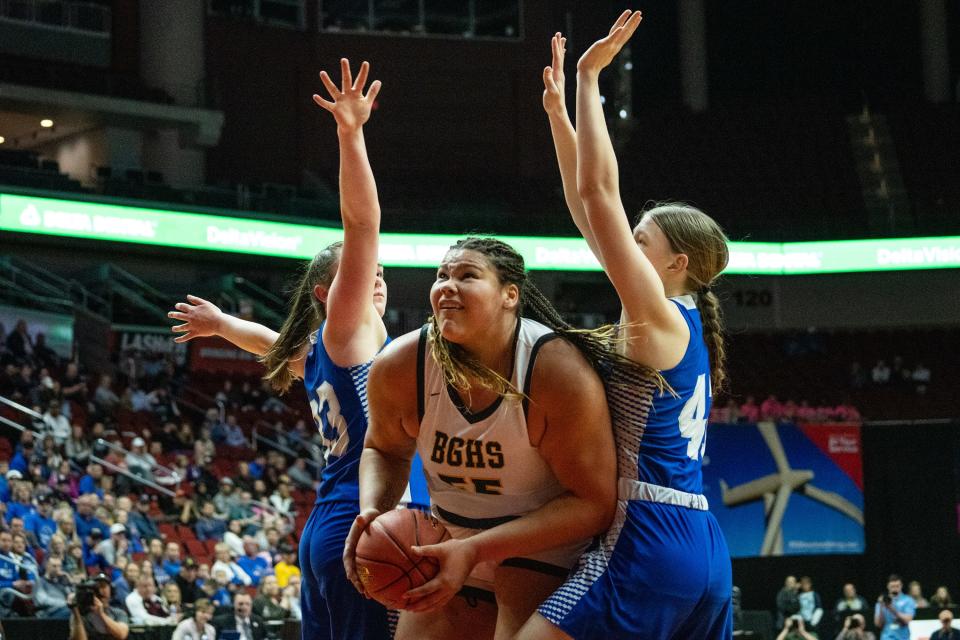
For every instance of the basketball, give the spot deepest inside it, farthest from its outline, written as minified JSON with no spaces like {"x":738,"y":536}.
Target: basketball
{"x":386,"y":565}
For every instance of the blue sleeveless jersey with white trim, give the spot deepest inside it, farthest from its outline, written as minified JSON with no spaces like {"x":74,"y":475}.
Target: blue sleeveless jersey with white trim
{"x":675,"y":436}
{"x":338,"y":400}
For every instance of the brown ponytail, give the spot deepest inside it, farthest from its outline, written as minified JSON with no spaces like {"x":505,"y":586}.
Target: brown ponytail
{"x":305,"y":316}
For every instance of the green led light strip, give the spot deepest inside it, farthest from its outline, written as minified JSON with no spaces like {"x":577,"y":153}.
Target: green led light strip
{"x":117,"y":223}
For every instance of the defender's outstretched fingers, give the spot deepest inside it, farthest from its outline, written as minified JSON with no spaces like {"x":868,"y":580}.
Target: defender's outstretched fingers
{"x":361,"y":76}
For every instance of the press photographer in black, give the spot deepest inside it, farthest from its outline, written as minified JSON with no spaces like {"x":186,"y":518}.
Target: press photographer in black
{"x":92,"y":617}
{"x":854,"y":628}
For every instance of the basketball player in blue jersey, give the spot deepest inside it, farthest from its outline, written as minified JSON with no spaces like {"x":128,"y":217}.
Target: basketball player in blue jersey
{"x":512,"y":426}
{"x":663,"y":570}
{"x":329,"y":339}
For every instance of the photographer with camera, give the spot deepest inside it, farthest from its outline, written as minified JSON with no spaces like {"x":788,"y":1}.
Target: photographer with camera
{"x":946,"y":630}
{"x":794,"y":629}
{"x":93,"y":618}
{"x":854,"y":628}
{"x":894,"y":611}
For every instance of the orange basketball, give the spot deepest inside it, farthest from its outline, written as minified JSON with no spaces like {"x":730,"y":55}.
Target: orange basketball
{"x":386,"y":565}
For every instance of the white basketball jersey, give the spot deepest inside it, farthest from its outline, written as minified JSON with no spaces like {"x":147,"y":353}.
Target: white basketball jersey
{"x":480,"y":465}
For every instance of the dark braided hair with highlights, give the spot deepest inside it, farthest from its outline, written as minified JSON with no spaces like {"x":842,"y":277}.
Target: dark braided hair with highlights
{"x":459,"y":367}
{"x":305,"y":316}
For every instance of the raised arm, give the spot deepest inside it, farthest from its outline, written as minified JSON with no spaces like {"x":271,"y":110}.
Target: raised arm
{"x":389,"y":446}
{"x":349,"y":302}
{"x":202,"y":318}
{"x":568,"y":399}
{"x":564,"y":137}
{"x":636,"y":280}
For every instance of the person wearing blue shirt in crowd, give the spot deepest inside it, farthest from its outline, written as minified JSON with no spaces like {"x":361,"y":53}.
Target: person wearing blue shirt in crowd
{"x":21,"y":459}
{"x":22,"y":503}
{"x":139,"y":522}
{"x":9,"y":571}
{"x":85,"y":520}
{"x":255,"y":565}
{"x":6,"y":476}
{"x":894,"y":611}
{"x":39,"y":525}
{"x":90,"y":482}
{"x":171,"y":559}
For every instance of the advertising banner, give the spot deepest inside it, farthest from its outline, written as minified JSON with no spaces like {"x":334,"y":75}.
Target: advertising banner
{"x":216,"y":355}
{"x":786,"y":489}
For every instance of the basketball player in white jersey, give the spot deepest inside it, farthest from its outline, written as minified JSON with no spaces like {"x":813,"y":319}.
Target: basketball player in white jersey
{"x":514,"y":432}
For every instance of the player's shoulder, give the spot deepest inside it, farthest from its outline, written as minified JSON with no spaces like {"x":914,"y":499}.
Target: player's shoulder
{"x":561,"y":368}
{"x":398,"y":356}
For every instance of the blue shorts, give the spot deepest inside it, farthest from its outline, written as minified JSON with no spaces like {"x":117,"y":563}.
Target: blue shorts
{"x":661,"y":572}
{"x":332,"y":608}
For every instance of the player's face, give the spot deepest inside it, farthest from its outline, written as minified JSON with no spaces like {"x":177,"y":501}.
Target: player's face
{"x":655,"y":246}
{"x":380,"y":292}
{"x":467,"y":296}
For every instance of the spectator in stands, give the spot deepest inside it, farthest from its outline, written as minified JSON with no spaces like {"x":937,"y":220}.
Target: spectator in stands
{"x":187,"y":580}
{"x":103,"y":622}
{"x":255,"y":566}
{"x":85,"y":521}
{"x":124,"y":585}
{"x":224,"y":562}
{"x":270,"y":603}
{"x":56,"y":423}
{"x":73,"y":385}
{"x":40,"y":525}
{"x":243,"y":479}
{"x":22,"y":503}
{"x":851,"y":602}
{"x":20,"y":344}
{"x":226,"y":498}
{"x":915,"y":591}
{"x":941,"y":598}
{"x":750,"y":410}
{"x":171,"y":559}
{"x":43,"y":355}
{"x":92,"y":481}
{"x":281,"y":499}
{"x":788,"y":600}
{"x":234,"y":434}
{"x":250,"y":625}
{"x":104,"y":398}
{"x":946,"y":630}
{"x":168,"y":437}
{"x":155,"y":554}
{"x":880,"y":374}
{"x":162,"y":404}
{"x":9,"y":571}
{"x":811,"y":607}
{"x":115,"y":545}
{"x":139,"y":462}
{"x":258,"y":466}
{"x":217,"y":588}
{"x":185,"y":436}
{"x":233,"y":537}
{"x":146,"y":607}
{"x":20,"y":462}
{"x":29,"y":569}
{"x":771,"y":408}
{"x":24,"y":383}
{"x":228,"y":396}
{"x":855,"y":628}
{"x":141,"y":524}
{"x":199,"y":625}
{"x":73,"y":563}
{"x":209,"y":526}
{"x":301,"y":475}
{"x":921,"y":378}
{"x":77,"y":448}
{"x":292,"y":592}
{"x":172,"y":599}
{"x":287,"y":567}
{"x":53,"y":589}
{"x":894,"y":611}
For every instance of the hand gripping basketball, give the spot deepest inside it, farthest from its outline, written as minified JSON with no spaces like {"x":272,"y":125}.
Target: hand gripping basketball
{"x":385,"y":565}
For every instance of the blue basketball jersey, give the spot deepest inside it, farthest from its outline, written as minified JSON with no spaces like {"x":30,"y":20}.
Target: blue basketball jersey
{"x":338,"y":399}
{"x":661,"y":436}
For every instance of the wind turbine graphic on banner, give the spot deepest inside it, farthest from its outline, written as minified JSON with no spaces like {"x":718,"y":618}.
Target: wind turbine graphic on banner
{"x":775,"y":490}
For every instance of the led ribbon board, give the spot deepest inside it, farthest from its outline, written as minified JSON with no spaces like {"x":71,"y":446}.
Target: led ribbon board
{"x":163,"y":228}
